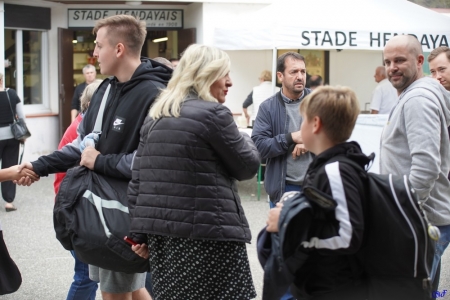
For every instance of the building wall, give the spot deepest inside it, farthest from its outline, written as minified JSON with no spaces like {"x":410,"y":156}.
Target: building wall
{"x":44,"y":138}
{"x":193,"y":18}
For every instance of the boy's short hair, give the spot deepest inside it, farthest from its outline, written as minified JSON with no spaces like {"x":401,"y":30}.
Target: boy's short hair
{"x":337,"y":107}
{"x":438,"y":51}
{"x":124,"y":29}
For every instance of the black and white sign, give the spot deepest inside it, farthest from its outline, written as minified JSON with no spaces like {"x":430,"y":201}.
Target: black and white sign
{"x":155,"y":18}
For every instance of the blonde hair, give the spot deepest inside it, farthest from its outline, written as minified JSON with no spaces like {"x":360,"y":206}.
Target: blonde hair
{"x":337,"y":107}
{"x":266,"y":75}
{"x":124,"y":29}
{"x":87,"y":94}
{"x":199,"y":67}
{"x":1,"y":76}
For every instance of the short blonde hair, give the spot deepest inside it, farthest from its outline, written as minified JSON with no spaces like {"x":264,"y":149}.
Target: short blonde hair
{"x":87,"y":94}
{"x":1,"y":76}
{"x":337,"y":107}
{"x":199,"y":67}
{"x":124,"y":29}
{"x":266,"y":75}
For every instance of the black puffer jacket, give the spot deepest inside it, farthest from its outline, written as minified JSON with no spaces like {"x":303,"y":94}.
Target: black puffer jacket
{"x":184,"y":175}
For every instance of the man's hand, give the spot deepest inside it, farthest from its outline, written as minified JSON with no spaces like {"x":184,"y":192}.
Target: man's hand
{"x":297,"y":137}
{"x":24,"y":174}
{"x":88,"y":157}
{"x":299,"y":149}
{"x":141,"y":250}
{"x":274,"y":216}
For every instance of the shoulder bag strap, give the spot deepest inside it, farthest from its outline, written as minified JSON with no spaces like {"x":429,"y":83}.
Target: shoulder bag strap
{"x":99,"y":120}
{"x":10,"y":106}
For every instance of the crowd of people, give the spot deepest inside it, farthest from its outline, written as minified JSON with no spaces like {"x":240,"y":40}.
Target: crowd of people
{"x":166,"y":131}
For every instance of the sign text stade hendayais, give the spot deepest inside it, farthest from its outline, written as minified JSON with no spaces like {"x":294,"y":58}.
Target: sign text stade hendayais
{"x":167,"y":18}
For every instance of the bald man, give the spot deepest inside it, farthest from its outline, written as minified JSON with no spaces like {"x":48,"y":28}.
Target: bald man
{"x":415,"y":140}
{"x":384,"y":97}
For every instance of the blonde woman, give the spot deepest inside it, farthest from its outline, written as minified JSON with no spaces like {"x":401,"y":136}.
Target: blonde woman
{"x":9,"y":146}
{"x":185,"y":210}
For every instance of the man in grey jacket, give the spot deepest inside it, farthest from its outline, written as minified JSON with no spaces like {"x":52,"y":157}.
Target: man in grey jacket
{"x":276,"y":131}
{"x":415,"y":140}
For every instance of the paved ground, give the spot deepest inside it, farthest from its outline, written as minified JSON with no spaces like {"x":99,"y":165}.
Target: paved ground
{"x":47,"y":268}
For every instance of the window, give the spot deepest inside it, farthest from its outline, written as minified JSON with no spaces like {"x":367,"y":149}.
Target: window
{"x":25,"y":66}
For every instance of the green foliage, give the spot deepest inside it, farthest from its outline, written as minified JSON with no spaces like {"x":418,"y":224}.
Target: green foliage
{"x":433,"y":3}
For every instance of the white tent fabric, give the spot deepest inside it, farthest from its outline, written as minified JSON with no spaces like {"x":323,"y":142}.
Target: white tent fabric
{"x":333,"y":24}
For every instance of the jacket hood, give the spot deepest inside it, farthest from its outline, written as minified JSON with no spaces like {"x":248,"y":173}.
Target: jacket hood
{"x":434,"y":87}
{"x":352,"y":150}
{"x":149,"y":70}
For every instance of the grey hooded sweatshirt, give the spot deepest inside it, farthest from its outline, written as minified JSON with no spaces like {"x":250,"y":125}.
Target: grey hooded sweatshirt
{"x":415,"y":142}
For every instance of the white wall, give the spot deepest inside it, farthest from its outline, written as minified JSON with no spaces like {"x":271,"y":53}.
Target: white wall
{"x":59,"y":20}
{"x":355,"y":69}
{"x":43,"y":139}
{"x":193,"y":18}
{"x":246,"y":66}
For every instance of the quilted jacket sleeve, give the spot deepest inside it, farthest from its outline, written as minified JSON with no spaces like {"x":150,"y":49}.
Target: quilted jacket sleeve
{"x":133,"y":186}
{"x":235,"y":149}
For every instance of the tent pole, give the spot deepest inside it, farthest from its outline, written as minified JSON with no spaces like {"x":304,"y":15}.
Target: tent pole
{"x":274,"y":69}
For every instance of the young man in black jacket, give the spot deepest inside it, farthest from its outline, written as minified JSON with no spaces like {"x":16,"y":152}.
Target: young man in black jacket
{"x":135,"y":85}
{"x":332,"y":270}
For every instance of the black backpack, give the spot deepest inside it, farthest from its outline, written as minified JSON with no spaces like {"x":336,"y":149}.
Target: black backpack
{"x":279,"y":261}
{"x":398,"y":250}
{"x":91,"y":217}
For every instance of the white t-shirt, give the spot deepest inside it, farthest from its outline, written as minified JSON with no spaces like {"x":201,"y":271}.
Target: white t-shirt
{"x":384,"y":97}
{"x":260,"y":94}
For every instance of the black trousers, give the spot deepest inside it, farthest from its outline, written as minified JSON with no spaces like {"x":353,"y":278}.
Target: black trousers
{"x":9,"y":155}
{"x":10,"y":278}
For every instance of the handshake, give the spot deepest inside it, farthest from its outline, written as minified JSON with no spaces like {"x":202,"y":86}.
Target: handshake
{"x":20,"y":174}
{"x":23,"y":174}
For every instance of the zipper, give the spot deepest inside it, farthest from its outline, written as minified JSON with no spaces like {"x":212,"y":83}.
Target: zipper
{"x":423,"y":225}
{"x":284,"y":169}
{"x":416,"y":243}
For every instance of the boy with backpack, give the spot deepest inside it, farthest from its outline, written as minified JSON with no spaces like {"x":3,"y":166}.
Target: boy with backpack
{"x":360,"y":235}
{"x":333,"y":269}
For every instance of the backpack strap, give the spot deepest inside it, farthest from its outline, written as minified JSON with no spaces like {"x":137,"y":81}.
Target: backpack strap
{"x":10,"y":106}
{"x":99,"y":120}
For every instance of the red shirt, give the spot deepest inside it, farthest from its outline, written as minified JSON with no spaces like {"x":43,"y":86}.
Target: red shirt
{"x":69,"y":136}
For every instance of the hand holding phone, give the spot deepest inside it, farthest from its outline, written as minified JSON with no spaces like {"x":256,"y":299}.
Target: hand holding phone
{"x":130,"y":241}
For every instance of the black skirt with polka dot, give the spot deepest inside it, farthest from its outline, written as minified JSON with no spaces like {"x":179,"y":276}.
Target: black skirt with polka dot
{"x":199,"y":269}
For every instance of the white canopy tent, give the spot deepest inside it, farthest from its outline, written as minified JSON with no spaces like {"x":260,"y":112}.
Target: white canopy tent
{"x":332,"y":24}
{"x":359,"y":27}
{"x":356,"y":25}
